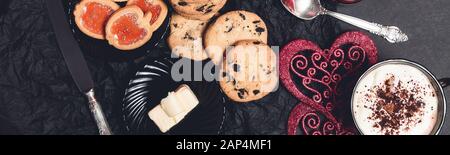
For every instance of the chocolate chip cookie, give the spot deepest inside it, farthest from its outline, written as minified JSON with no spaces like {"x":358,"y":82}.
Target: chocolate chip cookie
{"x":198,"y":7}
{"x":230,"y":28}
{"x":186,"y":39}
{"x":249,"y":71}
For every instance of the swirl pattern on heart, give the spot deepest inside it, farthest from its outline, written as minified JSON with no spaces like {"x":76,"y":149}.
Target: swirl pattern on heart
{"x":313,"y":122}
{"x":321,"y":79}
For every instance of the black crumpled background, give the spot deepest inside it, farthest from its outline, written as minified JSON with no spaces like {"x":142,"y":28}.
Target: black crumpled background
{"x":38,"y":95}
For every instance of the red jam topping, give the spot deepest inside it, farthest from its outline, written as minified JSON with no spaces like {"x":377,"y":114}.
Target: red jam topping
{"x":146,"y":6}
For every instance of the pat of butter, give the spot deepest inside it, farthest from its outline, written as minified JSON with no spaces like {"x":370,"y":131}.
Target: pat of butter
{"x":161,"y":119}
{"x":173,"y":108}
{"x":186,"y":94}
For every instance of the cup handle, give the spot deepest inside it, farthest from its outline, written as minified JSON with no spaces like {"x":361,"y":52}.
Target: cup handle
{"x":444,"y":82}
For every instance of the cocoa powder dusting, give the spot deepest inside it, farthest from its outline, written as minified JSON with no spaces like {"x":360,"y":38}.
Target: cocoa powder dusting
{"x":396,"y":106}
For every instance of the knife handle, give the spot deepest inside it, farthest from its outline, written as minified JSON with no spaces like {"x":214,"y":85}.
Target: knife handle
{"x":96,"y":110}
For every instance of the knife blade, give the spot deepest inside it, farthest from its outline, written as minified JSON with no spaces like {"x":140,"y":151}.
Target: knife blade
{"x":75,"y":62}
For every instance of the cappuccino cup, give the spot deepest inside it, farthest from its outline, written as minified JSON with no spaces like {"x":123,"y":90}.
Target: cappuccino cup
{"x":399,"y":97}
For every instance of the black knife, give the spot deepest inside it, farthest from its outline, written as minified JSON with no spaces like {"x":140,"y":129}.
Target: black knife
{"x":75,"y":61}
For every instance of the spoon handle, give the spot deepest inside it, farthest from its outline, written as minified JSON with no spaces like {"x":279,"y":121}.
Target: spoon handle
{"x":390,"y":33}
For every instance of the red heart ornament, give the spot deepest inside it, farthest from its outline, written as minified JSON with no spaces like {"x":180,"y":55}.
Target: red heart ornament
{"x":323,"y":81}
{"x":313,"y":122}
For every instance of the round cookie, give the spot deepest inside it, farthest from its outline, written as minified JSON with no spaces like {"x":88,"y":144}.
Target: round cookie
{"x":230,"y":28}
{"x":197,"y":8}
{"x":249,"y":71}
{"x":203,"y":17}
{"x":186,"y":39}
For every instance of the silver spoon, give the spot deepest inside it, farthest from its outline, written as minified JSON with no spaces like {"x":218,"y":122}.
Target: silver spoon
{"x":310,"y":9}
